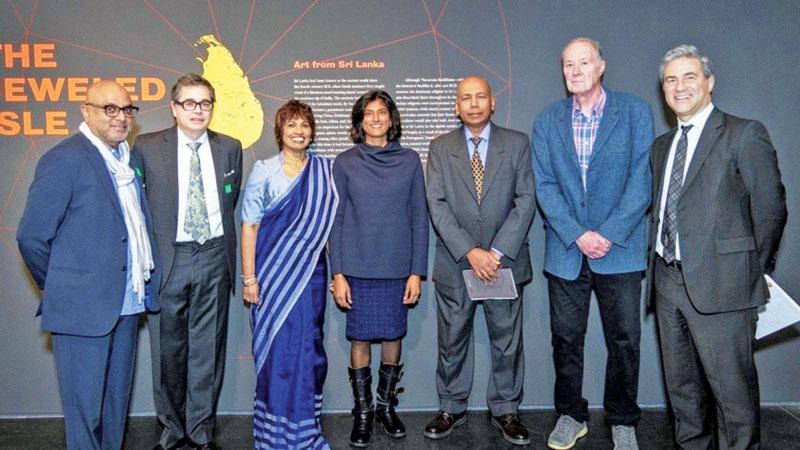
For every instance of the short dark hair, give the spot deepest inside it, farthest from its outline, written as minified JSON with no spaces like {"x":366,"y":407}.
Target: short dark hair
{"x":287,"y":112}
{"x":191,"y":79}
{"x":357,"y":116}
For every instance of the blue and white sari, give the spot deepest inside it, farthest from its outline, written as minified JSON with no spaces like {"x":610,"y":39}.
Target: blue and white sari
{"x":287,"y":323}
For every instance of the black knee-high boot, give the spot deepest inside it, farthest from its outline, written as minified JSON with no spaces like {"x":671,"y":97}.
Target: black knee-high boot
{"x":363,"y":412}
{"x":388,"y":378}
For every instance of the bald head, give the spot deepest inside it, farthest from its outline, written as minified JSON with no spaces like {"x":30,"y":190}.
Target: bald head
{"x":98,"y":91}
{"x":473,"y":80}
{"x":110,"y":130}
{"x":474,"y":103}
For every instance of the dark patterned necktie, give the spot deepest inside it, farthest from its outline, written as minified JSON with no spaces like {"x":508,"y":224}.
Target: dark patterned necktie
{"x":669,"y":229}
{"x":477,"y":166}
{"x":195,"y":221}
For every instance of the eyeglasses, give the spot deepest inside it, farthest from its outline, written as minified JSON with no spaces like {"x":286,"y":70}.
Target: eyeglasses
{"x":113,"y":110}
{"x":191,"y":105}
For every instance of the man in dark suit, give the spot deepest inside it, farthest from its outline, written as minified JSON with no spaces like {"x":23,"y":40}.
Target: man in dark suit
{"x":86,"y":237}
{"x":193,"y":177}
{"x":591,"y":163}
{"x":719,"y":208}
{"x":481,"y":199}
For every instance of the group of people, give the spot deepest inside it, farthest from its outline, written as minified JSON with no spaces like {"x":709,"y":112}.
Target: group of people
{"x":699,"y":212}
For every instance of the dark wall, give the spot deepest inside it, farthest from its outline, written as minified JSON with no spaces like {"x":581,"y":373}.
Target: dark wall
{"x":515,"y":44}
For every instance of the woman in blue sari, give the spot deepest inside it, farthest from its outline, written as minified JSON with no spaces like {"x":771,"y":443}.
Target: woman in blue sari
{"x":287,"y":213}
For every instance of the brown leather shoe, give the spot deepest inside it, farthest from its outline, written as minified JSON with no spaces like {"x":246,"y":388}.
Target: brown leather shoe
{"x":442,"y":425}
{"x":513,"y":430}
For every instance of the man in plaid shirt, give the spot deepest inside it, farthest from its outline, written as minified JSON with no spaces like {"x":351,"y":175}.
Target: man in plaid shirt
{"x":593,"y":184}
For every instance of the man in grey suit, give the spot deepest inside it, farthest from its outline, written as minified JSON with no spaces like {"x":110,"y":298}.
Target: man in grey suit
{"x":719,"y":208}
{"x":193,"y":176}
{"x":481,"y":199}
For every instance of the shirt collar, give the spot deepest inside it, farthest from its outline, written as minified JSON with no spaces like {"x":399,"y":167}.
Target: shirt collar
{"x":487,"y":130}
{"x":699,"y":119}
{"x":183,"y":139}
{"x":597,"y":109}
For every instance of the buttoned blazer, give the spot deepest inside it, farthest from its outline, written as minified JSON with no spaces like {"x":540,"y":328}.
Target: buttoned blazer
{"x":731,"y":213}
{"x":159,"y":155}
{"x":72,"y":237}
{"x":503,"y":217}
{"x":617,"y":192}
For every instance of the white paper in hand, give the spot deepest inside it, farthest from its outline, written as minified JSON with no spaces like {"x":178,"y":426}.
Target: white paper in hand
{"x":779,"y":312}
{"x":503,"y":288}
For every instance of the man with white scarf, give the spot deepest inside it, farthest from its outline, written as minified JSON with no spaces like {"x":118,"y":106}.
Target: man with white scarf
{"x":86,"y":237}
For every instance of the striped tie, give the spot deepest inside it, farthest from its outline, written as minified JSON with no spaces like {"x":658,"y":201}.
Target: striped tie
{"x":669,"y":230}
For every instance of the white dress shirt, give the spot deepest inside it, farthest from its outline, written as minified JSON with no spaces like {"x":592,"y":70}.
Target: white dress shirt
{"x":692,"y":137}
{"x":209,"y":185}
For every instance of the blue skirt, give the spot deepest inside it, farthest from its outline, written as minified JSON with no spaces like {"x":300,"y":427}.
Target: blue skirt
{"x":378,"y":312}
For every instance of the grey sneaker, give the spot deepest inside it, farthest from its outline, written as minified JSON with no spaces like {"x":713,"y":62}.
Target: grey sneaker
{"x":624,"y":437}
{"x":566,"y":432}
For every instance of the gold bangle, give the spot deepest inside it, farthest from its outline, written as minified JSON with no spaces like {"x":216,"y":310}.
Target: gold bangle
{"x":249,"y":281}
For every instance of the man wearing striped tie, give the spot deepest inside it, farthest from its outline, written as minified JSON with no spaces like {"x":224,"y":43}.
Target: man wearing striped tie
{"x":481,"y":202}
{"x":719,"y":208}
{"x":192,"y":177}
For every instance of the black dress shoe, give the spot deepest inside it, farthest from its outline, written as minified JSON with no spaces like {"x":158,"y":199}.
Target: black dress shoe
{"x":178,"y":445}
{"x":513,"y":430}
{"x":442,"y":425}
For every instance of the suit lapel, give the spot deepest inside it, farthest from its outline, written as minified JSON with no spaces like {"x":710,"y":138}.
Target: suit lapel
{"x":708,"y":138}
{"x":219,"y":166}
{"x":607,"y":124}
{"x":494,"y":155}
{"x":170,"y":161}
{"x":659,"y":165}
{"x":565,"y":131}
{"x":459,"y":160}
{"x":104,"y":177}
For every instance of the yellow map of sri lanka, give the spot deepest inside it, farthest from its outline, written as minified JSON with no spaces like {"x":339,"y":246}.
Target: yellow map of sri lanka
{"x":237,"y":112}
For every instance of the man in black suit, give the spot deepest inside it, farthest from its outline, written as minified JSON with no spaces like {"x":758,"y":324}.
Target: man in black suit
{"x":719,"y":209}
{"x":193,"y":176}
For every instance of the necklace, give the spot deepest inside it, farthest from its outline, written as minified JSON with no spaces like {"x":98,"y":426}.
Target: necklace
{"x":293,"y":164}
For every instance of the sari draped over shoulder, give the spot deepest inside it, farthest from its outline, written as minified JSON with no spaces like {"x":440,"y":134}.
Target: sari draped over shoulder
{"x":287,"y":322}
